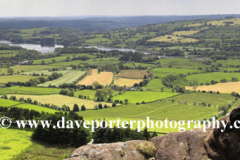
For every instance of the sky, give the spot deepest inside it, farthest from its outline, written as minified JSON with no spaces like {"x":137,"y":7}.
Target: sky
{"x":53,"y":8}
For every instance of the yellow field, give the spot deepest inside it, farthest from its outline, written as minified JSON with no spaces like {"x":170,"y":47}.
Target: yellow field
{"x":103,"y":78}
{"x":132,"y":74}
{"x":185,"y":33}
{"x":236,"y":21}
{"x":173,"y":39}
{"x":61,"y":100}
{"x":221,"y":87}
{"x":126,"y":81}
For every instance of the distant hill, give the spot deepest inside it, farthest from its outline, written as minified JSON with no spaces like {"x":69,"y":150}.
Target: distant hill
{"x":97,"y":23}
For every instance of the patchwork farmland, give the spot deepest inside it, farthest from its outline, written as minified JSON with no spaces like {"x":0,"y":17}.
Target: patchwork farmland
{"x":68,"y":77}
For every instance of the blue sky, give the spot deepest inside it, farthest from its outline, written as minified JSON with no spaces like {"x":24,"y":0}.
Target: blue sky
{"x":21,"y":8}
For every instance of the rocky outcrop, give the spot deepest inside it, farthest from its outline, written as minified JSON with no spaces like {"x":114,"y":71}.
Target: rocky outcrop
{"x":113,"y":151}
{"x":189,"y":145}
{"x":181,"y":146}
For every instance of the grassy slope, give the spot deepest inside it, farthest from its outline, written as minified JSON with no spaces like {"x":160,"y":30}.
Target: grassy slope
{"x":165,"y":109}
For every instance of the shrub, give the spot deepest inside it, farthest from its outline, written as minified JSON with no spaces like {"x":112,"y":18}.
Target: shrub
{"x":126,"y":101}
{"x":29,"y":100}
{"x":83,"y":108}
{"x":121,"y":102}
{"x":116,"y":101}
{"x":105,"y":106}
{"x":21,"y":99}
{"x":143,"y":102}
{"x":203,"y":91}
{"x":35,"y":102}
{"x":137,"y":103}
{"x":147,"y":148}
{"x":4,"y":96}
{"x":65,"y":92}
{"x":114,"y":105}
{"x":13,"y":98}
{"x":218,"y":92}
{"x":75,"y":108}
{"x":96,"y":107}
{"x":100,"y":106}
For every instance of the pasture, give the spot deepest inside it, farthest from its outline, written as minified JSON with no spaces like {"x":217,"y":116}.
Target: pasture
{"x":90,"y":93}
{"x":104,"y":78}
{"x":216,"y":76}
{"x":60,"y":100}
{"x":162,"y":72}
{"x":13,"y":141}
{"x":126,"y":81}
{"x":15,"y":78}
{"x":135,"y":74}
{"x":173,"y":39}
{"x":146,"y":96}
{"x":179,"y":63}
{"x":7,"y":103}
{"x":68,"y":77}
{"x":165,"y":109}
{"x":156,"y":85}
{"x":35,"y":107}
{"x":221,"y":87}
{"x":26,"y":68}
{"x":62,"y":58}
{"x":29,"y":90}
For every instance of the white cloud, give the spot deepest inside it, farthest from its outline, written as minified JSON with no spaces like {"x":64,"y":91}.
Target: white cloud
{"x":116,"y":7}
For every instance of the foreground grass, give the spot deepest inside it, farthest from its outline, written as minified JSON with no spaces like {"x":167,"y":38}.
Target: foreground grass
{"x":38,"y":151}
{"x":13,"y":141}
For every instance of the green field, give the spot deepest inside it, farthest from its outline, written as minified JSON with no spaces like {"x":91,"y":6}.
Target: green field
{"x":179,"y":62}
{"x":25,"y":68}
{"x":90,"y":93}
{"x":68,"y":77}
{"x":36,"y":108}
{"x":13,"y":141}
{"x":165,"y":109}
{"x":61,"y":58}
{"x":216,"y":76}
{"x":29,"y":90}
{"x":156,"y":85}
{"x":162,"y":72}
{"x":147,"y":96}
{"x":7,"y":103}
{"x":15,"y":78}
